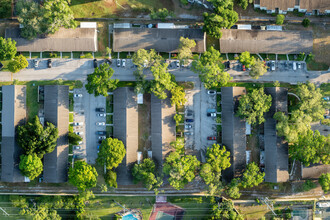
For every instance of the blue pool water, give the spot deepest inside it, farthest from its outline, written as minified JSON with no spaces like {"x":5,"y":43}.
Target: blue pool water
{"x":129,"y":217}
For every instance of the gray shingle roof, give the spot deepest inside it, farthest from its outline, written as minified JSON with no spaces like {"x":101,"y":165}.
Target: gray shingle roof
{"x":276,"y":149}
{"x":56,"y":107}
{"x":13,"y":114}
{"x":162,"y":40}
{"x":233,"y":130}
{"x":126,"y":129}
{"x":259,"y":41}
{"x":162,"y":127}
{"x":65,"y":40}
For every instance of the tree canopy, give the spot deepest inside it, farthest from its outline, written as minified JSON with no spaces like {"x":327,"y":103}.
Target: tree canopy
{"x":258,"y":69}
{"x":185,"y":47}
{"x":7,"y":48}
{"x":100,"y":81}
{"x":74,"y":138}
{"x":253,"y":105}
{"x":232,"y":189}
{"x":112,"y":152}
{"x":225,"y":210}
{"x":110,"y":178}
{"x":246,"y":59}
{"x":83,"y":175}
{"x":324,"y":181}
{"x":280,"y":19}
{"x":30,"y":165}
{"x":163,"y":80}
{"x":18,"y":64}
{"x":34,"y":138}
{"x":244,"y":3}
{"x":178,"y":96}
{"x":252,"y":176}
{"x":146,"y":58}
{"x":181,"y":169}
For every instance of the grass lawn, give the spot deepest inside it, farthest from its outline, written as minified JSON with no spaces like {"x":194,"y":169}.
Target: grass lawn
{"x":109,"y":105}
{"x":70,"y":117}
{"x":281,"y":57}
{"x":66,"y":55}
{"x":5,"y":65}
{"x":26,"y":54}
{"x":271,"y":56}
{"x":76,"y":54}
{"x":109,"y":119}
{"x":109,"y":131}
{"x":255,"y":85}
{"x":325,"y":89}
{"x":186,"y":85}
{"x":126,"y":84}
{"x":71,"y":102}
{"x":312,"y":65}
{"x":48,"y":55}
{"x":7,"y":206}
{"x":35,"y":55}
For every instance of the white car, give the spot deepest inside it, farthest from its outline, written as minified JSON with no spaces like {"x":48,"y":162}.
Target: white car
{"x":36,"y":63}
{"x":102,"y":137}
{"x":78,"y":123}
{"x":123,"y":63}
{"x":76,"y":147}
{"x":298,"y":65}
{"x":178,"y":63}
{"x":79,"y":133}
{"x":100,"y":123}
{"x":101,"y":114}
{"x":78,"y":95}
{"x":211,"y":92}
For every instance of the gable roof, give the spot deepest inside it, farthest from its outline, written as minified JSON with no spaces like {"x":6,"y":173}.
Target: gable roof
{"x":162,"y":40}
{"x":65,"y":40}
{"x":260,"y":41}
{"x":233,"y":132}
{"x":56,"y":107}
{"x":13,"y":114}
{"x":280,"y":4}
{"x":276,"y":148}
{"x":310,"y":5}
{"x":162,"y":127}
{"x":126,"y":129}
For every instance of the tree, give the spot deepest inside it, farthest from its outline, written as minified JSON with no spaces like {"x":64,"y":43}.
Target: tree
{"x":306,"y":22}
{"x":280,"y":19}
{"x":311,"y":148}
{"x":209,"y":58}
{"x":258,"y":69}
{"x":178,"y":119}
{"x":252,"y":176}
{"x":83,"y":175}
{"x":185,"y":48}
{"x":145,"y":172}
{"x":112,"y":152}
{"x":253,"y":105}
{"x":100,"y":81}
{"x":324,"y":181}
{"x":244,"y":3}
{"x":40,"y":213}
{"x":233,"y":190}
{"x":160,"y":14}
{"x":163,"y":80}
{"x":144,"y":58}
{"x":30,"y":166}
{"x":178,"y":145}
{"x":181,"y":169}
{"x":34,"y":138}
{"x":111,"y":178}
{"x":74,"y":138}
{"x":58,"y":13}
{"x":18,"y":64}
{"x":178,"y":96}
{"x":225,"y":210}
{"x":5,"y":8}
{"x":7,"y":49}
{"x":246,"y":59}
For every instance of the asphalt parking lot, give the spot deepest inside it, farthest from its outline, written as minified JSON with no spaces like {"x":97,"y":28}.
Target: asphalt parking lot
{"x":79,"y":151}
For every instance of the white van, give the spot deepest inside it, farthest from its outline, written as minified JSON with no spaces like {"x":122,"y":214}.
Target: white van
{"x":294,"y":66}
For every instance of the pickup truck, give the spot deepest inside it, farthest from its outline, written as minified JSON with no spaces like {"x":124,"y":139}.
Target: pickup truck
{"x":211,"y":110}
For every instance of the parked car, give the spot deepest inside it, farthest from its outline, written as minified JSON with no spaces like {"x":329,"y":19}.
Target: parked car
{"x":101,"y":132}
{"x":298,"y":65}
{"x":327,"y":98}
{"x":100,"y":123}
{"x":118,"y":62}
{"x":100,"y":141}
{"x":273,"y":65}
{"x":189,"y":120}
{"x":211,"y":110}
{"x":187,"y":126}
{"x":178,"y":63}
{"x":101,"y":114}
{"x":108,"y":61}
{"x":100,"y":110}
{"x":243,"y":68}
{"x":76,"y":147}
{"x":98,"y":148}
{"x":79,"y":132}
{"x":1,"y":65}
{"x":78,"y":123}
{"x":189,"y":113}
{"x":211,"y":138}
{"x":102,"y":137}
{"x":211,"y":114}
{"x":294,"y":66}
{"x":123,"y":62}
{"x":36,"y":63}
{"x":211,"y":92}
{"x":77,"y":95}
{"x":188,"y":133}
{"x":95,"y":63}
{"x":49,"y":63}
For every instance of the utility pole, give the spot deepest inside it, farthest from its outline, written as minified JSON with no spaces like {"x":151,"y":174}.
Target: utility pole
{"x":271,"y":207}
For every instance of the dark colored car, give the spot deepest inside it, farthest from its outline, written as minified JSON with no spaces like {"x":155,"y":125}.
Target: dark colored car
{"x":100,"y":110}
{"x":189,"y":113}
{"x":100,"y":141}
{"x":108,"y":61}
{"x":95,"y":63}
{"x":101,"y":132}
{"x":243,"y":68}
{"x":1,"y":65}
{"x":211,"y":138}
{"x":189,"y":120}
{"x":49,"y":63}
{"x":227,"y":64}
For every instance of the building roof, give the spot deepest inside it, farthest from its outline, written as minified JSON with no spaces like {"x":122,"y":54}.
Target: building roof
{"x":65,"y":40}
{"x":162,"y":40}
{"x":260,"y":41}
{"x":233,"y":132}
{"x":56,"y":107}
{"x":314,"y":171}
{"x":276,"y":148}
{"x":13,"y":114}
{"x":280,"y":4}
{"x":162,"y":127}
{"x":126,"y":129}
{"x":310,"y":5}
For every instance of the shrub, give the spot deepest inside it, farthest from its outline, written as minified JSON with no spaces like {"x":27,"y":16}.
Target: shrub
{"x":306,"y":22}
{"x":184,"y":2}
{"x":280,"y":19}
{"x":86,"y":56}
{"x":326,"y":122}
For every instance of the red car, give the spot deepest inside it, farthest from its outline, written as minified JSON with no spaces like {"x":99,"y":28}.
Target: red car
{"x":243,"y":68}
{"x":211,"y":138}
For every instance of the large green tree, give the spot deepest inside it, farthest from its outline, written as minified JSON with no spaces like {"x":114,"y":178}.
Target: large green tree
{"x":259,"y":68}
{"x":146,"y":173}
{"x":74,"y":138}
{"x":112,"y":152}
{"x":163,"y":81}
{"x":225,"y":210}
{"x":82,"y":175}
{"x":57,"y":13}
{"x":180,"y":168}
{"x":185,"y":47}
{"x":253,"y":105}
{"x":100,"y":81}
{"x":232,"y":189}
{"x":311,"y":148}
{"x":244,"y":3}
{"x":252,"y":176}
{"x":246,"y":59}
{"x":30,"y":166}
{"x":178,"y":96}
{"x":146,"y":58}
{"x":34,"y":138}
{"x":40,"y":213}
{"x":110,"y":178}
{"x":324,"y":181}
{"x":7,"y":48}
{"x":18,"y":63}
{"x":5,"y":8}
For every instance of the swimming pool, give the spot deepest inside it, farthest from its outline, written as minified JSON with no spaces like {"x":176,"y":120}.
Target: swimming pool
{"x":129,"y":217}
